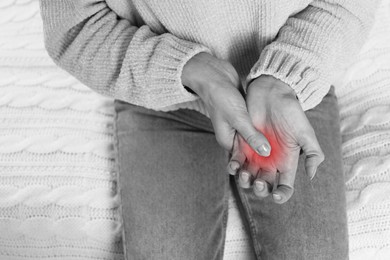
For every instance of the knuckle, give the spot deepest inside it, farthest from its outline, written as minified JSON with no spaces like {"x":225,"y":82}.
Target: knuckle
{"x":237,"y":124}
{"x":251,"y":140}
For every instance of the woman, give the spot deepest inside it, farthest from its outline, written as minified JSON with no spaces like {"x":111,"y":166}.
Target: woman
{"x":202,"y":84}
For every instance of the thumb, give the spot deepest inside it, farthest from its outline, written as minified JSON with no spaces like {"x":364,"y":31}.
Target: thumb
{"x":313,"y":151}
{"x":255,"y":139}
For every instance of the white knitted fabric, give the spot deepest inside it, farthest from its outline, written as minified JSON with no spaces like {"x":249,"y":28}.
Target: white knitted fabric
{"x":364,"y":97}
{"x":58,"y":196}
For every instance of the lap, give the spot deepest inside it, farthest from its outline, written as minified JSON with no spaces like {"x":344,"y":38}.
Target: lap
{"x":173,"y":188}
{"x":173,"y":184}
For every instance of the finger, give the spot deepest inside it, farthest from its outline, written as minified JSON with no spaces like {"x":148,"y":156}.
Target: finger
{"x":244,"y":179}
{"x":253,"y":137}
{"x":283,"y":194}
{"x":247,"y":175}
{"x":286,"y":178}
{"x":314,"y":155}
{"x":234,"y":165}
{"x":263,"y":185}
{"x":237,"y":159}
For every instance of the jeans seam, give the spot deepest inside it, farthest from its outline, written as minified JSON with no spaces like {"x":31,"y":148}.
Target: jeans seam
{"x":225,"y":215}
{"x":117,"y":169}
{"x":252,"y":225}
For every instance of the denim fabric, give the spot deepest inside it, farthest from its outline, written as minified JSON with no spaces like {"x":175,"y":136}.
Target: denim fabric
{"x":174,"y":191}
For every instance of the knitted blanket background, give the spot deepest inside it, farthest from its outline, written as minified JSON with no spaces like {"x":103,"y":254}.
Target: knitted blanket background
{"x":58,"y":194}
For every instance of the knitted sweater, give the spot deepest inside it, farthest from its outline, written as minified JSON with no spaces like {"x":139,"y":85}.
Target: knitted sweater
{"x":135,"y":50}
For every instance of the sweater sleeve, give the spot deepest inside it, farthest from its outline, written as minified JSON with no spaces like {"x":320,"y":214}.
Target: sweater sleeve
{"x":314,"y":45}
{"x":114,"y":57}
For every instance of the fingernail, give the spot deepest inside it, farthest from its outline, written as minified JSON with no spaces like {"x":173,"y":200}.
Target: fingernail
{"x":276,"y":196}
{"x":245,"y":176}
{"x":259,"y":185}
{"x":313,"y":172}
{"x":234,"y":166}
{"x":264,"y":149}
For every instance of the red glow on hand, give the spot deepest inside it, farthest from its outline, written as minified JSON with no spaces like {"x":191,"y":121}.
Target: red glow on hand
{"x":276,"y":156}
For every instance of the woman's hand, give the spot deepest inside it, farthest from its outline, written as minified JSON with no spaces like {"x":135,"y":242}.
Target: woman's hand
{"x":276,"y":112}
{"x":217,"y":83}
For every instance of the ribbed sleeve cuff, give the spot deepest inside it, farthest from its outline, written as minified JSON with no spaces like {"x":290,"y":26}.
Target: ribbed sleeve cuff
{"x":299,"y":73}
{"x":160,"y":75}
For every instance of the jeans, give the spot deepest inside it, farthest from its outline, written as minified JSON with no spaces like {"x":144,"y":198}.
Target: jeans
{"x":174,"y":191}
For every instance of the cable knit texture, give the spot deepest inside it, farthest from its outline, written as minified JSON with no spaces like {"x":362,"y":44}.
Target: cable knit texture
{"x":58,"y":193}
{"x":134,"y":50}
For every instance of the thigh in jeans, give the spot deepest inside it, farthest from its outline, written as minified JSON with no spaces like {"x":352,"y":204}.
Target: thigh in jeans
{"x":173,"y":184}
{"x":313,"y":223}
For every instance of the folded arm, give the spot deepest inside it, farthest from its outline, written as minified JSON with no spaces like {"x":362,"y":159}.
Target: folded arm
{"x":113,"y":56}
{"x":314,"y":45}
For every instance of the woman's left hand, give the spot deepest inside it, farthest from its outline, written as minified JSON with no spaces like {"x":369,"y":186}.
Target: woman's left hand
{"x":276,"y":112}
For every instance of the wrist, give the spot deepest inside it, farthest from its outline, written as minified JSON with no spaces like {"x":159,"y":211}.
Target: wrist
{"x":191,"y":73}
{"x":269,"y":81}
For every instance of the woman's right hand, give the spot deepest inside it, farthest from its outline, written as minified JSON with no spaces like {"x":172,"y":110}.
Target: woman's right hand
{"x":217,"y":83}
